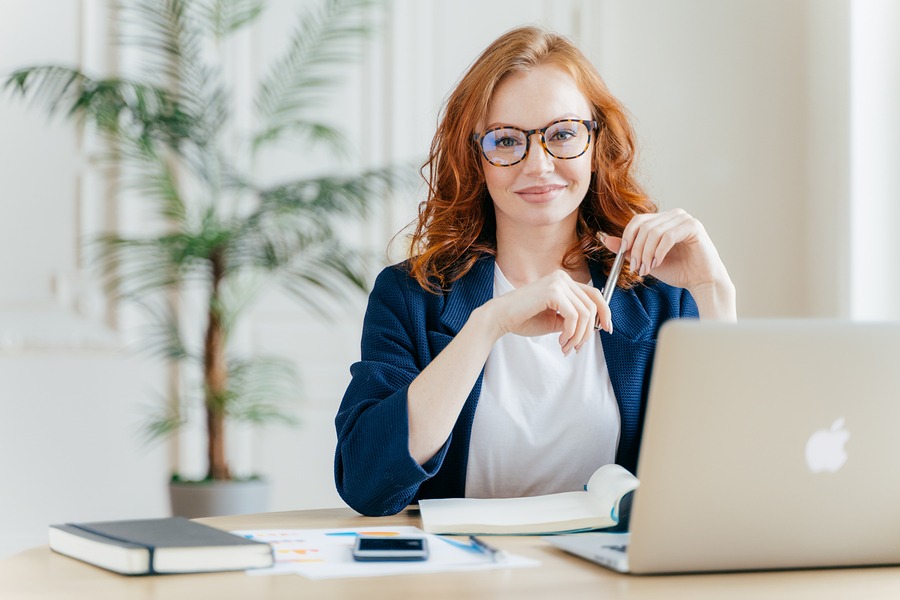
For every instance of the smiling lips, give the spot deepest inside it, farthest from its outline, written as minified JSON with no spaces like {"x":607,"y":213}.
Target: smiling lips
{"x":540,"y":193}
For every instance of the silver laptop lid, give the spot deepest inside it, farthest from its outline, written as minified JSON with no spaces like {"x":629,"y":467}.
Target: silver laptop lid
{"x":770,"y":444}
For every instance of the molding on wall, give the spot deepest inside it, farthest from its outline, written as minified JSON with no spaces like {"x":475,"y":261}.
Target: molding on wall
{"x":73,"y":312}
{"x":49,"y":329}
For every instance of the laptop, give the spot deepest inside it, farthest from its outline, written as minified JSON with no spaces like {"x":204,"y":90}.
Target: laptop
{"x":767,"y":444}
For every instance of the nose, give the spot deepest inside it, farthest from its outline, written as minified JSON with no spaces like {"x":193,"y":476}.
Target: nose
{"x":538,"y":161}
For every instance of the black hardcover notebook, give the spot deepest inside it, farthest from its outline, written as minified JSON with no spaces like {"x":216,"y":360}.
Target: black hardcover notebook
{"x":149,"y":546}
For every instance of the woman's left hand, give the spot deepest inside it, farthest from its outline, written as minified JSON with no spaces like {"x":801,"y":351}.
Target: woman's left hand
{"x":674,"y":247}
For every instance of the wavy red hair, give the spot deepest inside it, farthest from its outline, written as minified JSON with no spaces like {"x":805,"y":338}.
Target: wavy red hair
{"x":456,"y":225}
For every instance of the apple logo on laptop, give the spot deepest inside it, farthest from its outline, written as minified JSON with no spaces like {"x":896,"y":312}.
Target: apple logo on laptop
{"x":825,"y":448}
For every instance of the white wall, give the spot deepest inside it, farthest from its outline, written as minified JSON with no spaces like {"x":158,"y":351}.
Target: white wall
{"x":721,"y":97}
{"x":742,"y":109}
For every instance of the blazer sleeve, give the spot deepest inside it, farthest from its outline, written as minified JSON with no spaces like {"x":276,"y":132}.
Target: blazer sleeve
{"x":373,"y":469}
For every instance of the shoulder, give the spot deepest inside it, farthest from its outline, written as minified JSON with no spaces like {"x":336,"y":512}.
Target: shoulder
{"x":397,"y":299}
{"x":397,"y":279}
{"x":397,"y":295}
{"x":396,"y":283}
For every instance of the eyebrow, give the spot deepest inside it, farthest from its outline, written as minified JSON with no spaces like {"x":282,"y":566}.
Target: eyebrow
{"x":554,"y":120}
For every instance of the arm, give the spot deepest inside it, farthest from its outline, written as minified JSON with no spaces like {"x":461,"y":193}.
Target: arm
{"x":397,"y":415}
{"x":674,"y":247}
{"x":552,"y":304}
{"x":374,"y":472}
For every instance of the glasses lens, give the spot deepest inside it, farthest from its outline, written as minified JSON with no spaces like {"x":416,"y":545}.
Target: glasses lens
{"x":504,"y":146}
{"x":567,"y":139}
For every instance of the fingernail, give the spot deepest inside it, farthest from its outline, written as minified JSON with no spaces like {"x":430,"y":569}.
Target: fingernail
{"x":643,"y":270}
{"x":609,"y":325}
{"x":653,"y":263}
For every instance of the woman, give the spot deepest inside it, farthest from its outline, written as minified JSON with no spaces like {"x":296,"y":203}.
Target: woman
{"x":482,"y":372}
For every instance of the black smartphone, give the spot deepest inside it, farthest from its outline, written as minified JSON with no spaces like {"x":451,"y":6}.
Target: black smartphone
{"x":370,"y":548}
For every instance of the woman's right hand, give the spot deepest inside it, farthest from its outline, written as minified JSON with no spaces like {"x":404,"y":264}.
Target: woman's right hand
{"x":554,"y":303}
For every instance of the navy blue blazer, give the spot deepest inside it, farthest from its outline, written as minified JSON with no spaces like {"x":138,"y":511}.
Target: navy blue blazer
{"x":405,"y":327}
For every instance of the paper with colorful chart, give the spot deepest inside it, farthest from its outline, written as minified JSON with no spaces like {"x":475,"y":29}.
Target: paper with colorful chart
{"x":327,"y":553}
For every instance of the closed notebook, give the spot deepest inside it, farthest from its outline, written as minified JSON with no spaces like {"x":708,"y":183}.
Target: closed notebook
{"x":150,"y":546}
{"x":595,"y":508}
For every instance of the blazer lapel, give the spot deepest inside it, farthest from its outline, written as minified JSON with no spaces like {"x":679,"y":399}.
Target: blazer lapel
{"x":626,"y":351}
{"x":468,"y":293}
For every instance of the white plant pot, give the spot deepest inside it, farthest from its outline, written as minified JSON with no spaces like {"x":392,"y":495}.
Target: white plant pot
{"x":193,"y":499}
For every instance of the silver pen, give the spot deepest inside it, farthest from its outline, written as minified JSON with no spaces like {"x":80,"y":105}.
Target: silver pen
{"x":614,"y":274}
{"x":611,"y":281}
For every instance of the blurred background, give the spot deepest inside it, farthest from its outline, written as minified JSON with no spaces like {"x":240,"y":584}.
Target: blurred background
{"x":774,"y":122}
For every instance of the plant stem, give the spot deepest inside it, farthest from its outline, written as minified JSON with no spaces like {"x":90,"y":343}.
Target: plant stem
{"x":215,"y":374}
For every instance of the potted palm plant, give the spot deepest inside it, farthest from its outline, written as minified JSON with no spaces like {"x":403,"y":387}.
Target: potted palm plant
{"x":220,"y":238}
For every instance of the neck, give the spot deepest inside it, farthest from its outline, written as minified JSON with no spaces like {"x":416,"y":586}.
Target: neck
{"x":527,"y":255}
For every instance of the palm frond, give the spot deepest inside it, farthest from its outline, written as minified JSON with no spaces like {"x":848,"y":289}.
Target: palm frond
{"x":311,"y":131}
{"x":162,"y":420}
{"x":223,"y":17}
{"x":163,"y":31}
{"x":326,"y":37}
{"x":119,"y":107}
{"x":239,"y":291}
{"x":163,"y":337}
{"x":132,"y":268}
{"x":156,"y":178}
{"x":333,"y":195}
{"x":261,"y":389}
{"x":170,"y":35}
{"x":56,"y":87}
{"x":323,"y":275}
{"x":293,"y":232}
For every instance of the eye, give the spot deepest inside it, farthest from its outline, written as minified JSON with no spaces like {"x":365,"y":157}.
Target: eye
{"x":507,"y":142}
{"x":562,"y":134}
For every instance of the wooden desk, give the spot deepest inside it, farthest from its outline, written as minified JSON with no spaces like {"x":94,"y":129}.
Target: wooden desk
{"x":40,"y":573}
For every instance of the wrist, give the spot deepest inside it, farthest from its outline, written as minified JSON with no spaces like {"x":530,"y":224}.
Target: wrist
{"x":716,"y":300}
{"x":485,"y":321}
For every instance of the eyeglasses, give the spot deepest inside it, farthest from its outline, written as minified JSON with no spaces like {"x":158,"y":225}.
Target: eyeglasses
{"x":506,"y":146}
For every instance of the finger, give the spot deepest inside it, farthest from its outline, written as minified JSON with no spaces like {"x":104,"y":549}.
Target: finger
{"x":612,"y":243}
{"x":646,"y":237}
{"x":568,"y":314}
{"x":644,"y":229}
{"x":634,"y":240}
{"x":567,"y":305}
{"x":587,"y":316}
{"x":688,"y":227}
{"x":654,"y":230}
{"x":584,"y":323}
{"x":603,"y":316}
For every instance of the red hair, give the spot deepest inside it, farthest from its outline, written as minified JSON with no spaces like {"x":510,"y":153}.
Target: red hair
{"x":456,"y":223}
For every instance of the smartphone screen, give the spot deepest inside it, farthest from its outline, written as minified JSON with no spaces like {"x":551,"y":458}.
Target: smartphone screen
{"x":390,"y":548}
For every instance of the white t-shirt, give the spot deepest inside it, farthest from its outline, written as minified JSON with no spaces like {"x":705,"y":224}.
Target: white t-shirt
{"x":544,"y":422}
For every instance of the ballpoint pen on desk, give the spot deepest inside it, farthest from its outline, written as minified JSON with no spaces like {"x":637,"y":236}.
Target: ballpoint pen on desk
{"x":495,"y":554}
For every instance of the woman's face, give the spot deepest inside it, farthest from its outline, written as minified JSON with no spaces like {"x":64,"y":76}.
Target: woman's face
{"x":541,"y":190}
